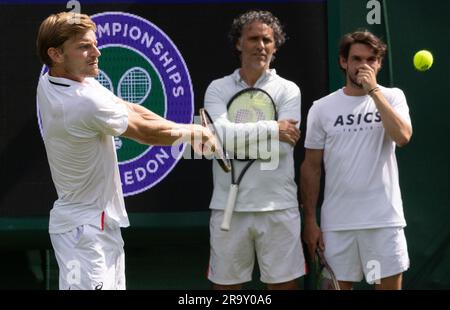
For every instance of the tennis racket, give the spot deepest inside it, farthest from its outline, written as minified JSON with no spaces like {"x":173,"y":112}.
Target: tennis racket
{"x":247,"y":106}
{"x":326,"y":280}
{"x":219,"y":153}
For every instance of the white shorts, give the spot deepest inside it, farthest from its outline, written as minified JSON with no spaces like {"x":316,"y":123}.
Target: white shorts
{"x":273,"y":235}
{"x":373,"y":253}
{"x":90,"y":258}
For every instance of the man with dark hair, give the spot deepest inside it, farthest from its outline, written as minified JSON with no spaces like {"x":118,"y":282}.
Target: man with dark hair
{"x":266,"y":221}
{"x":79,"y":119}
{"x":354,"y":131}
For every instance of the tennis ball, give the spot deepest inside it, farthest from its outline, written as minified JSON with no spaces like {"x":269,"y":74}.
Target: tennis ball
{"x":423,"y":60}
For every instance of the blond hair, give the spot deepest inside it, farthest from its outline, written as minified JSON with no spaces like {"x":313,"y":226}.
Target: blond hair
{"x":57,"y":29}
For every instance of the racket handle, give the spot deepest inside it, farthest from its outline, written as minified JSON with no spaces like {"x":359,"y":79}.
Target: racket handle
{"x":229,"y":208}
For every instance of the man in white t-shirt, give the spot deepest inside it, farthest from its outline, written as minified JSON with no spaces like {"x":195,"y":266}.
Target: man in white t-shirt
{"x":79,"y":119}
{"x":266,"y":220}
{"x":354,"y":131}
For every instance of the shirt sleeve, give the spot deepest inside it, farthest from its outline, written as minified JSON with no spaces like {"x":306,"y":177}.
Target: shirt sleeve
{"x":98,"y":112}
{"x":315,"y":133}
{"x":400,"y":105}
{"x":111,"y":116}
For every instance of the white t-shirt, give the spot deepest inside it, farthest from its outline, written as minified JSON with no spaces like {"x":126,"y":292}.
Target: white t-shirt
{"x":79,"y":121}
{"x":262,"y":188}
{"x":361,"y":175}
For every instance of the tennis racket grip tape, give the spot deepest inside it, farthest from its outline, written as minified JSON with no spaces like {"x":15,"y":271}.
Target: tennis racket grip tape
{"x":229,"y":208}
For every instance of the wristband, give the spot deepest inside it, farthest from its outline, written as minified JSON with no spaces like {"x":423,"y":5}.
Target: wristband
{"x":375,"y":89}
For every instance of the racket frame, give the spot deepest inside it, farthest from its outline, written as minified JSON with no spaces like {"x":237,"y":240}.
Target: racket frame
{"x":249,"y":89}
{"x":220,"y":155}
{"x":324,"y":265}
{"x":234,"y":187}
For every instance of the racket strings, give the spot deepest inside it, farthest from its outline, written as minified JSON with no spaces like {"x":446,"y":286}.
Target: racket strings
{"x":243,"y":116}
{"x":260,"y":115}
{"x":250,"y":108}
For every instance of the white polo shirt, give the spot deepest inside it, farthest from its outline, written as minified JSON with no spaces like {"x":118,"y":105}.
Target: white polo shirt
{"x":79,"y":121}
{"x":260,"y":189}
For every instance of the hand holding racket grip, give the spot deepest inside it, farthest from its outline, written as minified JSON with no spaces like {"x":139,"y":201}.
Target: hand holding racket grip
{"x":229,"y":208}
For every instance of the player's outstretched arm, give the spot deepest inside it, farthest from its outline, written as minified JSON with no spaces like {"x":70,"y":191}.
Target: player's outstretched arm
{"x":143,"y":111}
{"x":147,"y":127}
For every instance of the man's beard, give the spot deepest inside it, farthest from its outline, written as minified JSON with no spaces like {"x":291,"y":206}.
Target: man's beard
{"x":354,"y":81}
{"x":93,"y":72}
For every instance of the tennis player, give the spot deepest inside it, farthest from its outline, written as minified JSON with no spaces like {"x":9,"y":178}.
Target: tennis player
{"x":79,"y":119}
{"x":355,"y":131}
{"x":266,"y":221}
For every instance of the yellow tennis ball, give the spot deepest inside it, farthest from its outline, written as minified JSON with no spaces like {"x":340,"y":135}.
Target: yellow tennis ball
{"x":423,"y":60}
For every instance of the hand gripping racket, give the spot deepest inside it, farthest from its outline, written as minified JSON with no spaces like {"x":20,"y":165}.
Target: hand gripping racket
{"x":219,"y":153}
{"x":326,"y":279}
{"x":247,"y":106}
